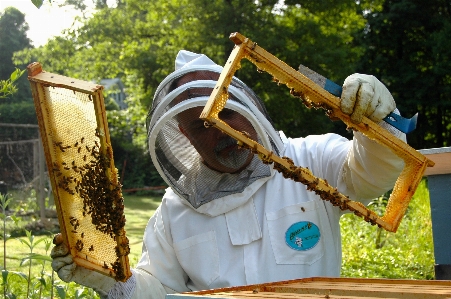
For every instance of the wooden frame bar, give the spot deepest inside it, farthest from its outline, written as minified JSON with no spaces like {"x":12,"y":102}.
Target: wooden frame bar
{"x":78,"y":151}
{"x":314,"y":96}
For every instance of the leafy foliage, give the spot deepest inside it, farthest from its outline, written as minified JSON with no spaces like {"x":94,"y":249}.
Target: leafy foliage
{"x":7,"y":87}
{"x":369,"y":251}
{"x":409,"y":49}
{"x":403,"y":42}
{"x":13,"y":38}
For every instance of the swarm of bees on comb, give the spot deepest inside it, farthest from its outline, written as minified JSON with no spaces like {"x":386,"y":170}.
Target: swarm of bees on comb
{"x":88,"y":197}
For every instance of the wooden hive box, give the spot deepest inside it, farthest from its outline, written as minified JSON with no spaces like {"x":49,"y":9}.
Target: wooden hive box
{"x":331,"y":288}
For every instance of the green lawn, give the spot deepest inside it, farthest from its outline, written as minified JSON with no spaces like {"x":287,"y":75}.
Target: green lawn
{"x":138,"y":210}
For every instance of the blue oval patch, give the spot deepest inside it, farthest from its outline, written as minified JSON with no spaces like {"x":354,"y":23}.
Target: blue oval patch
{"x":302,"y":235}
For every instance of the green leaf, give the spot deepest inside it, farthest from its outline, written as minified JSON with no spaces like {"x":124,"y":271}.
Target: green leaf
{"x":24,"y":241}
{"x":39,"y":241}
{"x":19,"y":274}
{"x":36,"y":256}
{"x":15,"y":218}
{"x":61,"y":291}
{"x":37,"y":3}
{"x":16,"y":75}
{"x":42,"y":280}
{"x":5,"y":275}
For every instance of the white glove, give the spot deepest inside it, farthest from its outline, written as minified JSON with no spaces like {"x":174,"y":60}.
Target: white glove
{"x":365,"y":95}
{"x":67,"y":270}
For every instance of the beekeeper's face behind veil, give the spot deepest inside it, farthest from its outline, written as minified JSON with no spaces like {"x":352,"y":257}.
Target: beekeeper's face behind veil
{"x":218,"y":151}
{"x":203,"y":164}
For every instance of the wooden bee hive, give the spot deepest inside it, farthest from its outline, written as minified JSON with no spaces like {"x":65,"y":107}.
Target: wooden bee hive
{"x":331,"y":288}
{"x":79,"y":156}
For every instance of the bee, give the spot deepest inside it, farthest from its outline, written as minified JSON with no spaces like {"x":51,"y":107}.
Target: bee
{"x":79,"y":245}
{"x":246,"y":134}
{"x":91,"y":248}
{"x":82,"y":139}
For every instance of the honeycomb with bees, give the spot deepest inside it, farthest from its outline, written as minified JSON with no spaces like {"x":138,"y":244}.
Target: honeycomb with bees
{"x":88,"y":197}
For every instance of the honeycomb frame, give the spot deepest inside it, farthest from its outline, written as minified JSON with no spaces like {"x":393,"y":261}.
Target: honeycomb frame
{"x":314,"y":96}
{"x":88,"y":197}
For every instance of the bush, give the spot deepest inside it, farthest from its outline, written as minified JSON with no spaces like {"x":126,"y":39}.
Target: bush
{"x":369,"y":251}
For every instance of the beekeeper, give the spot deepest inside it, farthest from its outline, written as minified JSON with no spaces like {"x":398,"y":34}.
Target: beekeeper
{"x":228,"y":219}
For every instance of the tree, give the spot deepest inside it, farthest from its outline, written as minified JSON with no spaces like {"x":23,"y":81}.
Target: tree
{"x":13,"y":37}
{"x":137,"y":41}
{"x":408,"y":48}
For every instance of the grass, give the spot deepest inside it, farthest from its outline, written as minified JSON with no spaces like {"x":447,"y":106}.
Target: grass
{"x":367,"y":251}
{"x":138,"y":210}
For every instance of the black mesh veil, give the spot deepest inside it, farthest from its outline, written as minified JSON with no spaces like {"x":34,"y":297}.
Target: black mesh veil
{"x":202,"y":164}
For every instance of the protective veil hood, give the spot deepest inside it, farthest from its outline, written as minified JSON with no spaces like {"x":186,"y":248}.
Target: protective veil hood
{"x":198,"y":162}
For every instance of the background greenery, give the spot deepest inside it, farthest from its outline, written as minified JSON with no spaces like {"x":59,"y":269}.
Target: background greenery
{"x":368,"y":252}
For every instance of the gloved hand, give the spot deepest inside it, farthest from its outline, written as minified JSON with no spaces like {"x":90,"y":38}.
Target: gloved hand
{"x":68,"y":271}
{"x":365,"y":95}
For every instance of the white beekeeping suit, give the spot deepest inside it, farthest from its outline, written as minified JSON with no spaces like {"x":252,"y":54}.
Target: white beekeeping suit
{"x":228,"y":219}
{"x":215,"y":229}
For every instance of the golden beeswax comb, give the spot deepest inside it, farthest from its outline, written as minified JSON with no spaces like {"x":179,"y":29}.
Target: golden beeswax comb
{"x":88,"y":198}
{"x":314,"y":96}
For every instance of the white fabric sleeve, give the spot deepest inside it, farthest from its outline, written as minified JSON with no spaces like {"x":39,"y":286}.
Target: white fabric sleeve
{"x":158,"y":272}
{"x":148,"y":287}
{"x":370,"y":169}
{"x":141,"y":285}
{"x":158,"y":257}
